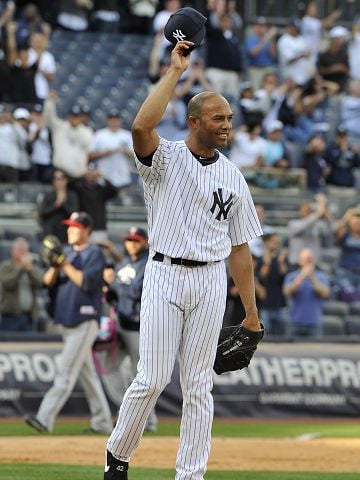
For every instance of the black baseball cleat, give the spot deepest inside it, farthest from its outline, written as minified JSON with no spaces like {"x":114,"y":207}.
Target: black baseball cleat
{"x":34,"y":423}
{"x":115,"y":469}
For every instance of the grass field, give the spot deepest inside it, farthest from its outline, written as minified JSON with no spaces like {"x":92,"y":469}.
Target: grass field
{"x":221,"y":429}
{"x":61,"y":472}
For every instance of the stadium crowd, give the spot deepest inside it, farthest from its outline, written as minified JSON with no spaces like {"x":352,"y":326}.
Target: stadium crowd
{"x":295,"y":92}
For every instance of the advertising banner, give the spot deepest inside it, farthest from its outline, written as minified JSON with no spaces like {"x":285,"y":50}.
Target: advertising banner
{"x":284,"y":379}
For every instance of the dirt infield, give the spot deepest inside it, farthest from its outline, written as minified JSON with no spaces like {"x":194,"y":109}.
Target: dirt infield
{"x":302,"y":454}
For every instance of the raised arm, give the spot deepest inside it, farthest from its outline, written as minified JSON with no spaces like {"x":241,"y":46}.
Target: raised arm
{"x":145,"y":137}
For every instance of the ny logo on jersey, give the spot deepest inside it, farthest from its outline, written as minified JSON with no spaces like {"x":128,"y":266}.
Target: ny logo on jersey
{"x":179,"y":35}
{"x":224,"y":206}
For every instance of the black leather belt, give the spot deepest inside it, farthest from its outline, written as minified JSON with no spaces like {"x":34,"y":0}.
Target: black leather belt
{"x":159,"y":257}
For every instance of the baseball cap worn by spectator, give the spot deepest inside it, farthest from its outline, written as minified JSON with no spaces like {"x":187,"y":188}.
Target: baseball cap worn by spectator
{"x":21,"y":114}
{"x":338,"y":31}
{"x":341,"y":131}
{"x":274,"y":125}
{"x":136,"y":233}
{"x":37,"y":108}
{"x":186,"y":24}
{"x":80,"y":220}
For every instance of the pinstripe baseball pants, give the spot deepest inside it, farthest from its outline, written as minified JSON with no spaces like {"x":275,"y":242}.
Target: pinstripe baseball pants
{"x":181,"y":317}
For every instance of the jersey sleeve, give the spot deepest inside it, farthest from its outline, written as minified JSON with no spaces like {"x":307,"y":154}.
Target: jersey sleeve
{"x":244,"y":224}
{"x":160,"y":160}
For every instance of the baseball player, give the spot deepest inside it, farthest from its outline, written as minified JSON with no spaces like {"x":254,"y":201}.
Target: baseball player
{"x":78,"y":280}
{"x":200,"y":212}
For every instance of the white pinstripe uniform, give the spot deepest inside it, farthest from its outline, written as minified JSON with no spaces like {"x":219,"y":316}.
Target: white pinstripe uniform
{"x":197,"y":213}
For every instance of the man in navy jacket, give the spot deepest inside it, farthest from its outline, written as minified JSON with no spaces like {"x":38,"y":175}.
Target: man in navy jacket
{"x":78,"y":282}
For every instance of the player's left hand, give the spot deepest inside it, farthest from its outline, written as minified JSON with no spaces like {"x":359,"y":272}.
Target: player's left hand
{"x":180,"y":57}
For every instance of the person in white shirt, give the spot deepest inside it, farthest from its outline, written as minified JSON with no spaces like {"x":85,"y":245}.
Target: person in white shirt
{"x":248,"y":147}
{"x":39,"y":140}
{"x":21,"y":118}
{"x":354,"y":50}
{"x":9,"y":147}
{"x":295,"y":59}
{"x":111,"y":151}
{"x":312,"y":26}
{"x":71,"y":139}
{"x":45,"y":73}
{"x":350,"y":112}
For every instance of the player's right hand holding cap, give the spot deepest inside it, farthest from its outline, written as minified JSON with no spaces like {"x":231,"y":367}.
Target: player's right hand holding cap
{"x":186,"y":24}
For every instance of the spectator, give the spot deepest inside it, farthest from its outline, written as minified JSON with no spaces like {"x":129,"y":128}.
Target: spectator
{"x":342,"y":160}
{"x":333,"y":64}
{"x":315,"y":164}
{"x":78,"y":281}
{"x":253,"y":107}
{"x":260,"y":48}
{"x":247,"y":147}
{"x":73,"y":15}
{"x":350,"y":112}
{"x":94,"y":191}
{"x":312,"y":27}
{"x":315,"y":98}
{"x":306,"y":288}
{"x":195,"y":82}
{"x":56,"y":206}
{"x":9,"y":151}
{"x":271,"y":269}
{"x":347,"y":235}
{"x":275,"y":154}
{"x":127,"y":285}
{"x":297,"y":127}
{"x":224,"y":65}
{"x":21,"y":71}
{"x":7,"y":10}
{"x":268,"y":95}
{"x":20,"y":281}
{"x":21,"y":118}
{"x":172,"y":126}
{"x":46,"y":66}
{"x":40,"y":146}
{"x":71,"y":139}
{"x":142,"y":13}
{"x":310,"y":229}
{"x":161,"y":17}
{"x":106,"y":16}
{"x":295,"y":60}
{"x":31,"y":22}
{"x":354,"y":50}
{"x":158,"y":61}
{"x":111,"y":151}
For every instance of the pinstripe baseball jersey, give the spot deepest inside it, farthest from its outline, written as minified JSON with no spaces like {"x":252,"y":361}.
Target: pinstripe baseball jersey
{"x":196,"y":211}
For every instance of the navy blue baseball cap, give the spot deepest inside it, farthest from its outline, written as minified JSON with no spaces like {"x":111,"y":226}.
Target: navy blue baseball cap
{"x":79,"y":219}
{"x":136,"y":233}
{"x":186,"y":24}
